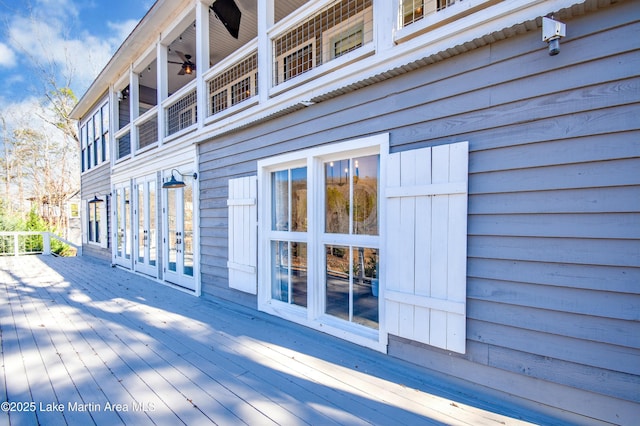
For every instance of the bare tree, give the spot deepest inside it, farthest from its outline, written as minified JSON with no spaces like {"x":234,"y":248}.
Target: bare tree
{"x":41,"y":162}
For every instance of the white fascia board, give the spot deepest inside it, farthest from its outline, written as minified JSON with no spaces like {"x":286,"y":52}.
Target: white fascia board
{"x":169,"y":157}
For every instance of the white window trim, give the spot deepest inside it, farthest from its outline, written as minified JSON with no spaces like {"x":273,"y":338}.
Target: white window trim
{"x":363,"y":19}
{"x":280,"y":59}
{"x":251,"y":75}
{"x":313,"y":316}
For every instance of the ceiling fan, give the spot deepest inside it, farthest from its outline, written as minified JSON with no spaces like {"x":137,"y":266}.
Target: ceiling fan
{"x":188,"y":67}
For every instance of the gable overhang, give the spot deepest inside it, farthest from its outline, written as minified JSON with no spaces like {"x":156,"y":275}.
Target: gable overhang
{"x":143,"y":35}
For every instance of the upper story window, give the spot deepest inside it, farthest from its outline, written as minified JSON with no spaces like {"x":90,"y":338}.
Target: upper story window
{"x":234,"y":85}
{"x":94,"y":138}
{"x":339,"y":28}
{"x":414,"y":10}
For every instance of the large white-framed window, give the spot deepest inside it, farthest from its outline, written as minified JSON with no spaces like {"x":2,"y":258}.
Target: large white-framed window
{"x":320,"y":240}
{"x":96,"y":223}
{"x":94,"y":135}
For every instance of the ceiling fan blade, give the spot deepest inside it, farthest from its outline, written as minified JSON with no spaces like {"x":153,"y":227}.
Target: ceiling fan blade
{"x":182,"y":56}
{"x":174,"y":62}
{"x":181,"y":72}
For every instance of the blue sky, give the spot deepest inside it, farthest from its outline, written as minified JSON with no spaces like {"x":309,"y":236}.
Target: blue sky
{"x":74,"y":37}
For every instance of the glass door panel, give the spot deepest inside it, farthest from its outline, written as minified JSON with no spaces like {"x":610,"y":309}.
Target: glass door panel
{"x":172,"y":236}
{"x":187,"y":230}
{"x":153,"y":233}
{"x":145,"y":259}
{"x":122,"y":225}
{"x":179,"y":242}
{"x":142,"y":229}
{"x":126,"y":223}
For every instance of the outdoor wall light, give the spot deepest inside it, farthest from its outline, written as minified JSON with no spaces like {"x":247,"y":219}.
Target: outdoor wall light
{"x":552,"y":31}
{"x":96,"y":200}
{"x":175,"y":183}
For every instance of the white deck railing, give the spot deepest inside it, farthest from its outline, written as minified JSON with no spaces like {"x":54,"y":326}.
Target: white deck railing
{"x":19,"y":243}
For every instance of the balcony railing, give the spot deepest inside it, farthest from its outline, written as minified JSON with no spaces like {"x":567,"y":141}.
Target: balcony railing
{"x":306,"y":45}
{"x":234,"y":85}
{"x":123,"y":145}
{"x":147,"y":128}
{"x":341,"y":27}
{"x":414,"y":10}
{"x":31,"y":242}
{"x":182,"y":113}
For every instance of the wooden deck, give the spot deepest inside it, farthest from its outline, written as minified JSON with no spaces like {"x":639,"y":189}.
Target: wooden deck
{"x":84,"y":343}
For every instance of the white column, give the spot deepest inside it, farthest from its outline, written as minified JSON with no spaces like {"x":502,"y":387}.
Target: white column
{"x":266,"y":19}
{"x":385,"y":21}
{"x":202,"y":59}
{"x":163,"y":89}
{"x":134,"y":109}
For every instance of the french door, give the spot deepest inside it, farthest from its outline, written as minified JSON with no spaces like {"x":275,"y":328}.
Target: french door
{"x":122,"y":225}
{"x":146,"y":235}
{"x":178,"y":242}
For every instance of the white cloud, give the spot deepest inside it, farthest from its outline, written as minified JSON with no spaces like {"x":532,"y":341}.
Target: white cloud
{"x":7,"y":56}
{"x":82,"y":55}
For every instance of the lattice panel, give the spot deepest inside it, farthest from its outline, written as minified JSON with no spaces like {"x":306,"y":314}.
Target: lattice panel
{"x":234,"y":85}
{"x":148,"y":132}
{"x":182,"y":114}
{"x":336,"y":30}
{"x":124,"y":145}
{"x":414,"y":10}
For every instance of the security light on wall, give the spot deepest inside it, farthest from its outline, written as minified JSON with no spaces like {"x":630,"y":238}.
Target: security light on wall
{"x":173,"y":183}
{"x":552,"y":32}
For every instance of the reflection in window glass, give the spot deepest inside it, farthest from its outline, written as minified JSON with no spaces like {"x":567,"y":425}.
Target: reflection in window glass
{"x":351,"y":195}
{"x":299,"y":199}
{"x":337,"y":282}
{"x":280,"y":200}
{"x":365,"y":195}
{"x":336,"y":177}
{"x":289,"y":200}
{"x":289,"y":272}
{"x":365,"y":286}
{"x":352,"y":284}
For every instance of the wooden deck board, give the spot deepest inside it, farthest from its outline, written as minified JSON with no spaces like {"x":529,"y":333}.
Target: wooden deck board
{"x":77,"y":331}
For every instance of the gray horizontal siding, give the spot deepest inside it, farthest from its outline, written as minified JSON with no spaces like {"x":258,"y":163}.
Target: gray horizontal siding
{"x":97,"y":182}
{"x":554,"y":204}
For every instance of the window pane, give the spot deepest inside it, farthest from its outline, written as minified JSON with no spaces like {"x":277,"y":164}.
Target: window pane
{"x":172,"y":221}
{"x":299,"y":199}
{"x":299,"y":274}
{"x":280,"y":200}
{"x":97,"y":222}
{"x":337,"y":281}
{"x":280,"y":271}
{"x":365,"y":195}
{"x":365,"y":286}
{"x":91,"y":221}
{"x":336,"y":175}
{"x":142,"y":233}
{"x":187,"y":230}
{"x":120,"y":235}
{"x":127,"y":224}
{"x":152,"y":224}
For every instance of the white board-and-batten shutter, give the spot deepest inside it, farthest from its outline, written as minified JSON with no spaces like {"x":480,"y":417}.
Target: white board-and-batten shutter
{"x":243,"y":234}
{"x":426,"y":225}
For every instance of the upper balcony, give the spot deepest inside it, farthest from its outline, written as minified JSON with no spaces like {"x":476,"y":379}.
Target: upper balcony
{"x":204,"y":72}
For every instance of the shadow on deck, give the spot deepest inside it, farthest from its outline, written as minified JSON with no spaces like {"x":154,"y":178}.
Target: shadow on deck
{"x":84,"y":343}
